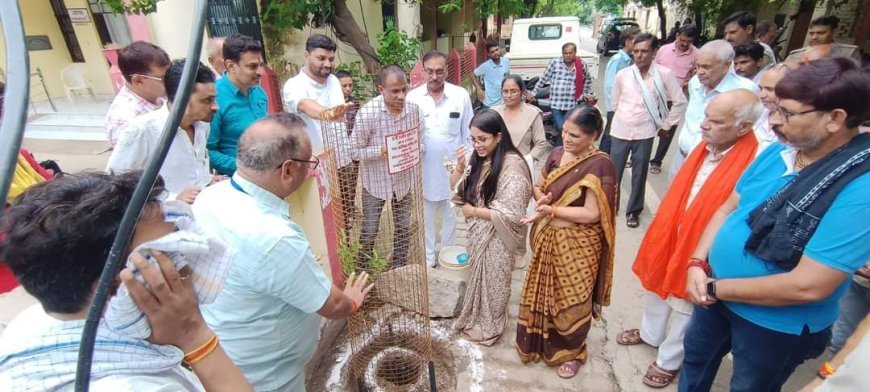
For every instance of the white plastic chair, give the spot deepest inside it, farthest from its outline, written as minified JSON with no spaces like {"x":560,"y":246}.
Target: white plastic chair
{"x":75,"y":77}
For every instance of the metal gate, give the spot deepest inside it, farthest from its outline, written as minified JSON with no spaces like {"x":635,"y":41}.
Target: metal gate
{"x":228,"y":17}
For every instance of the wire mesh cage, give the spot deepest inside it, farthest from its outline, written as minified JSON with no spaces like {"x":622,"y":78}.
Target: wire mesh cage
{"x":373,"y":161}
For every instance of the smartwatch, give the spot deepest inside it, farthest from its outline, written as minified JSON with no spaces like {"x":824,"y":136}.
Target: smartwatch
{"x":711,"y":289}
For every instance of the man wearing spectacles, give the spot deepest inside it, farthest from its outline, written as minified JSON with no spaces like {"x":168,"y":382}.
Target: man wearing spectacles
{"x":143,"y":66}
{"x":185,"y":169}
{"x":447,"y":114}
{"x":268,"y":315}
{"x":776,"y":258}
{"x":492,"y":73}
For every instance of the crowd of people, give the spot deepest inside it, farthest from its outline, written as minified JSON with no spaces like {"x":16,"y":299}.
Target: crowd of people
{"x":753,"y":250}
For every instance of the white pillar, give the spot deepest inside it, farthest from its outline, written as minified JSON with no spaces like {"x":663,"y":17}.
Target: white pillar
{"x":408,"y":18}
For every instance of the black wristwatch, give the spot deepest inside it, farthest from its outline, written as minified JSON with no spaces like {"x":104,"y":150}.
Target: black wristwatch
{"x":711,"y":289}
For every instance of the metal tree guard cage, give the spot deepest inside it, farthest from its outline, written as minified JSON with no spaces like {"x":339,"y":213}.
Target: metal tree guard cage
{"x":374,"y":166}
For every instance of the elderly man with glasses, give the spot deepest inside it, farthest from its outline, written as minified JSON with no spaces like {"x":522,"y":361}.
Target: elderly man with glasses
{"x":268,"y":314}
{"x":776,"y":258}
{"x":447,"y":113}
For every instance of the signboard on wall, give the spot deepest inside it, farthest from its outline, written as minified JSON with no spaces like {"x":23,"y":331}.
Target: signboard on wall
{"x":79,"y":15}
{"x":38,"y":42}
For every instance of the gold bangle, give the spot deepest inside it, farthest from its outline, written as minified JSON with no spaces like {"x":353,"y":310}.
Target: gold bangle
{"x":201,"y":352}
{"x":553,"y":212}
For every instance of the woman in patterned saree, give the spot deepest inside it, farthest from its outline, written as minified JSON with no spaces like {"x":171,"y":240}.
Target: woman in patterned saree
{"x":572,"y":242}
{"x":493,"y":189}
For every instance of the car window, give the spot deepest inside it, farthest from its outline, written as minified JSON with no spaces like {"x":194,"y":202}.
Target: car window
{"x":545,"y":31}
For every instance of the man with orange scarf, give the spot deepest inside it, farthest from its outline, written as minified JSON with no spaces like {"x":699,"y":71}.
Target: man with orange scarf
{"x":703,"y":183}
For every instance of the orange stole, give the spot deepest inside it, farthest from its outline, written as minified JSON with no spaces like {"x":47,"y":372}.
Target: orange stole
{"x":675,"y":231}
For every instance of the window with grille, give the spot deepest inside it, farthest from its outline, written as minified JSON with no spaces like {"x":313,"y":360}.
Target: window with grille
{"x":67,"y":30}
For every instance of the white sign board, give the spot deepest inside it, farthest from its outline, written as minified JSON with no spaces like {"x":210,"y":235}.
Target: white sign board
{"x":403,"y":150}
{"x":79,"y":15}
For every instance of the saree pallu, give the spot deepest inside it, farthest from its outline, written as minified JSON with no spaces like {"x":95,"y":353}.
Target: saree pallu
{"x":491,"y":245}
{"x":571,"y":272}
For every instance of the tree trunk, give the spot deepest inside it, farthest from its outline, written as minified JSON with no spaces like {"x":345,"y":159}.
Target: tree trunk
{"x":348,"y":31}
{"x":530,"y":8}
{"x":663,"y":23}
{"x":801,"y":25}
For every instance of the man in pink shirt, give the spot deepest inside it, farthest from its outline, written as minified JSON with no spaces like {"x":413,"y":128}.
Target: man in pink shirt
{"x":143,"y":65}
{"x":679,"y":57}
{"x":647,"y":99}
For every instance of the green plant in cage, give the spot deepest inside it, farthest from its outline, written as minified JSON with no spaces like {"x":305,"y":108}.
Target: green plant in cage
{"x":347,"y":254}
{"x":398,"y":48}
{"x":377,"y":264}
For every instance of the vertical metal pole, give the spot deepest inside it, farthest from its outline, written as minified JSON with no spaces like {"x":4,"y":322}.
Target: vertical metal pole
{"x":16,"y":94}
{"x":433,"y":385}
{"x":140,"y":195}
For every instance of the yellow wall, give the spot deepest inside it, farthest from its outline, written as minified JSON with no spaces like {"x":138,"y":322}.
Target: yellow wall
{"x":39,"y":19}
{"x":170,"y":28}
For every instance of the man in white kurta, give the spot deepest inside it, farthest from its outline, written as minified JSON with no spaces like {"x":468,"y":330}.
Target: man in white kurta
{"x":447,"y":114}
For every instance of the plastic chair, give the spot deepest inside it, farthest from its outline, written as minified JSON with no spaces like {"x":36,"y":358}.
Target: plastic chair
{"x":75,"y":77}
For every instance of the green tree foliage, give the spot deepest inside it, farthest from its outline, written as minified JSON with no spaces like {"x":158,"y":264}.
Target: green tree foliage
{"x":398,"y":48}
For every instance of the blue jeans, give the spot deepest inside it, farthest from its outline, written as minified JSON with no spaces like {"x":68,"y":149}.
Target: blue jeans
{"x":854,"y":306}
{"x":763,"y":359}
{"x":558,"y":120}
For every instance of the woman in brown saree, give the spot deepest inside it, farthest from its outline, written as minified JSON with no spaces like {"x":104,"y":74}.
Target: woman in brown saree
{"x":493,"y":189}
{"x":572,"y":243}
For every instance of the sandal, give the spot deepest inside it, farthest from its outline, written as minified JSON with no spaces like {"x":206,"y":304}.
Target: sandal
{"x":657,"y":377}
{"x":655,"y":169}
{"x":568,"y":369}
{"x":629,"y":337}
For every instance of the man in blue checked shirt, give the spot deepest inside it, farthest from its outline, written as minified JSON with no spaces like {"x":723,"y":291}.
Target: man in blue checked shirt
{"x":562,"y":75}
{"x":620,"y":60}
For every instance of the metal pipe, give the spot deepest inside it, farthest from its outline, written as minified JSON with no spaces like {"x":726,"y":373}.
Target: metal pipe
{"x":140,"y":195}
{"x":15,"y":96}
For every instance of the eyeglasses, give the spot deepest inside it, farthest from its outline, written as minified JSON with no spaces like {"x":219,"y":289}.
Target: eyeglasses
{"x":480,"y":140}
{"x":312,"y":164}
{"x":785,"y":114}
{"x":439,"y":72}
{"x":148,"y":77}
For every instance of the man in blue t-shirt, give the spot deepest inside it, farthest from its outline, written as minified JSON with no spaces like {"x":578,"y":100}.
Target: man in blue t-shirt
{"x":492,"y":72}
{"x":782,"y":248}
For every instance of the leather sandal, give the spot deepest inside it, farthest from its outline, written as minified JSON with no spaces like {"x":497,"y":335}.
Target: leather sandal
{"x":657,"y":377}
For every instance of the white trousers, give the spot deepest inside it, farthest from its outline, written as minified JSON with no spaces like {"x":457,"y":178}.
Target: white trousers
{"x":654,"y":329}
{"x":434,"y":211}
{"x":676,"y":165}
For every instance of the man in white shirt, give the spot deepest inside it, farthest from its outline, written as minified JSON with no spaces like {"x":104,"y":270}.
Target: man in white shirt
{"x":185,"y":169}
{"x":143,"y":65}
{"x":386,"y":115}
{"x":268,"y":315}
{"x":447,"y":114}
{"x":713,"y":76}
{"x":314,"y":91}
{"x":647,"y":100}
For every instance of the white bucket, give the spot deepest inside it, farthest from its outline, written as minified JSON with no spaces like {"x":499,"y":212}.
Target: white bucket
{"x":449,"y":262}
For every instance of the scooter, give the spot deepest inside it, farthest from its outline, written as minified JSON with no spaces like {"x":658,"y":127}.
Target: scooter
{"x":542,"y":101}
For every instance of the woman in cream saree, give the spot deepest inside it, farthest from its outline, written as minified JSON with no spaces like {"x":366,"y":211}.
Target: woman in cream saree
{"x":494,"y":193}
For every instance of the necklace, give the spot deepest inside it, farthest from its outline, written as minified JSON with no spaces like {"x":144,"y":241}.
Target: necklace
{"x":798,"y":161}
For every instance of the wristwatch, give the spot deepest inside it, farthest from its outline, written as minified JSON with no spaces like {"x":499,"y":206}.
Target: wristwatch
{"x":711,"y":289}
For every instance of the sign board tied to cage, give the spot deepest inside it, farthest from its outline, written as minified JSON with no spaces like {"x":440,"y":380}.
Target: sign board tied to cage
{"x":373,"y":161}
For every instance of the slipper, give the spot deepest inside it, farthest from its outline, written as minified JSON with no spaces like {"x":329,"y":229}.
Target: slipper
{"x":568,"y":369}
{"x":655,"y":169}
{"x":657,"y":377}
{"x":629,"y":337}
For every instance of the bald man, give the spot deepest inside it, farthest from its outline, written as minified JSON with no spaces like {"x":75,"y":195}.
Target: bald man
{"x":268,"y":315}
{"x":703,"y":183}
{"x":215,"y":52}
{"x":818,"y":52}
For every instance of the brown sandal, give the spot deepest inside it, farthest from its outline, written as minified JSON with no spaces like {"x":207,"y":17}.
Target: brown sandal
{"x":657,"y":377}
{"x":629,"y":337}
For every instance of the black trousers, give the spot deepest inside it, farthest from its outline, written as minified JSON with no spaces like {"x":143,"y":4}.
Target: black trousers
{"x":640,"y":151}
